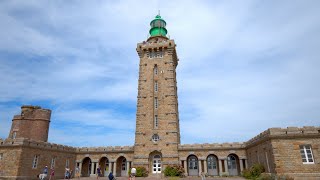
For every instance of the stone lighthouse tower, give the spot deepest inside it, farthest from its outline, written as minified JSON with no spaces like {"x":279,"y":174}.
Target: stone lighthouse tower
{"x":157,"y":120}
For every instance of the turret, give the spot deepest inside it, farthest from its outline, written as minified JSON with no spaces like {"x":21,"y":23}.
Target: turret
{"x":32,"y":123}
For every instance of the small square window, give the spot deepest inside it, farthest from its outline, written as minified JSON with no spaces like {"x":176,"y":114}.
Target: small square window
{"x":1,"y":156}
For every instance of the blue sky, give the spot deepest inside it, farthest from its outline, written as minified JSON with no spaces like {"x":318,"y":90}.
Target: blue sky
{"x":245,"y":66}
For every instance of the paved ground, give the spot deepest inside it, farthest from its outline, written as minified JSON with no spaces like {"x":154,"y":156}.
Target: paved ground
{"x":151,"y":178}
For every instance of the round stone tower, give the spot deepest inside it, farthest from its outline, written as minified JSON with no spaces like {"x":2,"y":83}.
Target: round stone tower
{"x":32,"y":123}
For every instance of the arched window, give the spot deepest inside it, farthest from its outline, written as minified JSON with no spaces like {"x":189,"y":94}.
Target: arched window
{"x":232,"y":165}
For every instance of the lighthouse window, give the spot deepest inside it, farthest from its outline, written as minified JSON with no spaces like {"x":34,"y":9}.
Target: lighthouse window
{"x":155,"y":70}
{"x":160,"y":54}
{"x":152,"y":54}
{"x":156,"y":86}
{"x":156,"y":103}
{"x":155,"y":121}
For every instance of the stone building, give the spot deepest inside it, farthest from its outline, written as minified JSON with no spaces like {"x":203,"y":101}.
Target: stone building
{"x":292,"y":151}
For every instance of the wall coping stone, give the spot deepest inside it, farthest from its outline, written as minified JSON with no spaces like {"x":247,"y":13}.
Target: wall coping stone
{"x":288,"y":132}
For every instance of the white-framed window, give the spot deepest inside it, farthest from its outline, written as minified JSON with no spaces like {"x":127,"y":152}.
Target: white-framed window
{"x":35,"y":161}
{"x":155,"y":70}
{"x":67,"y":163}
{"x":1,"y":156}
{"x":156,"y":86}
{"x":53,"y":162}
{"x":155,"y":138}
{"x":306,"y":154}
{"x":155,"y":121}
{"x":14,"y":134}
{"x":155,"y":102}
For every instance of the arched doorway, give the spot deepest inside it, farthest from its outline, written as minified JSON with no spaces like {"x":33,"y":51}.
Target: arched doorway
{"x":155,"y":162}
{"x":193,"y":166}
{"x":212,"y":165}
{"x":86,"y":167}
{"x":122,"y":166}
{"x":233,"y":163}
{"x":156,"y":165}
{"x":104,"y":165}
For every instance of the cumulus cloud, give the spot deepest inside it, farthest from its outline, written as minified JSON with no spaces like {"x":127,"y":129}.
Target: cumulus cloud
{"x":244,"y":66}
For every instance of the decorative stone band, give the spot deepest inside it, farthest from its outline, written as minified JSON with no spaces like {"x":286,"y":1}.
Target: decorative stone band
{"x":141,"y":157}
{"x":214,"y":146}
{"x":106,"y":149}
{"x":171,"y":156}
{"x":141,"y":163}
{"x":168,"y":143}
{"x":170,"y":162}
{"x":166,"y":44}
{"x":172,"y":122}
{"x":139,"y":144}
{"x":31,"y":119}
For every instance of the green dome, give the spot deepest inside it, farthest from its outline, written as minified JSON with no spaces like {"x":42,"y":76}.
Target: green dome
{"x":158,"y":27}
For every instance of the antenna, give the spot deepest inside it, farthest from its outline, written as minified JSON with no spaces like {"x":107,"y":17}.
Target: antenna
{"x":159,"y":12}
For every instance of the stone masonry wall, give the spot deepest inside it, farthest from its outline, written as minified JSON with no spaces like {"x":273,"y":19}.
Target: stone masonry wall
{"x":221,"y":151}
{"x":32,"y":123}
{"x":10,"y":160}
{"x":283,"y":150}
{"x":167,"y":108}
{"x":262,"y":154}
{"x":18,"y":155}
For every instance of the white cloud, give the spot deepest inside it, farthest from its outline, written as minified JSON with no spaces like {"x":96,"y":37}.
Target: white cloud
{"x":244,"y":66}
